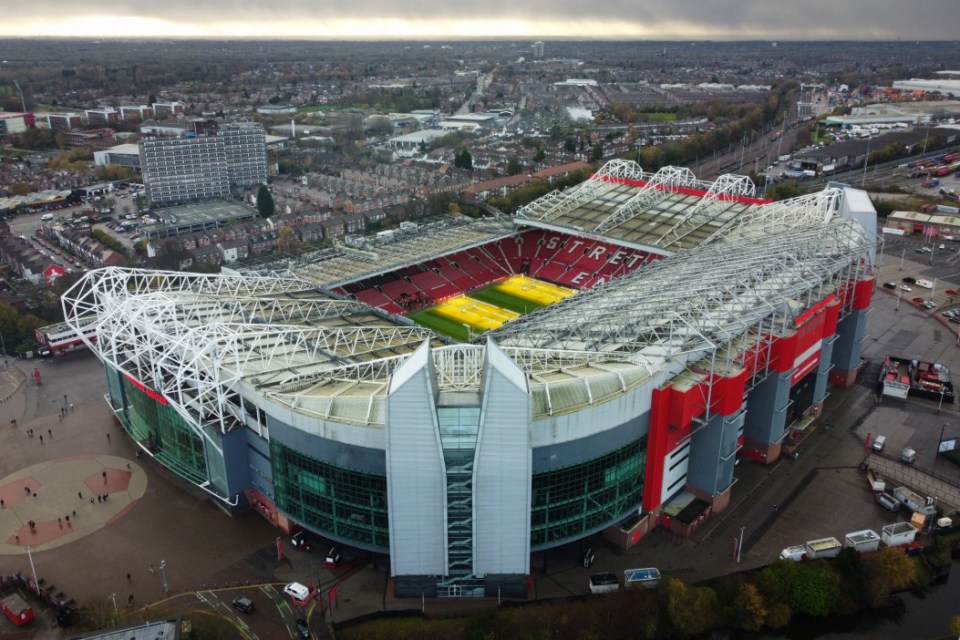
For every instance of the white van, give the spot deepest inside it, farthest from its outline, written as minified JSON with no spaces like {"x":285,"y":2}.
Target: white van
{"x":47,"y":217}
{"x":297,"y":591}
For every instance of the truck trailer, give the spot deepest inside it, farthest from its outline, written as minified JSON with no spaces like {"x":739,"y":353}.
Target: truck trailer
{"x":823,"y":548}
{"x":897,"y":534}
{"x":648,"y":578}
{"x":604,"y":583}
{"x":866,"y":540}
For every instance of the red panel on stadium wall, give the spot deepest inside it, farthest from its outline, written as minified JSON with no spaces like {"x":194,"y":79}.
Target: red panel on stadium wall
{"x":728,"y":393}
{"x":831,"y":316}
{"x":784,"y":353}
{"x":862,"y":294}
{"x":684,"y":407}
{"x":656,"y":448}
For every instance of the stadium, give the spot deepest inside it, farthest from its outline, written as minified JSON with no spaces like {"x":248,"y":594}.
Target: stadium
{"x":462,"y":394}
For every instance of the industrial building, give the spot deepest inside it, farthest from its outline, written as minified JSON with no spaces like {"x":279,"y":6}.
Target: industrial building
{"x":703,"y":324}
{"x":198,"y":167}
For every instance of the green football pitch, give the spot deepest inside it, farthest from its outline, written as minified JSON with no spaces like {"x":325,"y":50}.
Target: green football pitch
{"x":458,"y":331}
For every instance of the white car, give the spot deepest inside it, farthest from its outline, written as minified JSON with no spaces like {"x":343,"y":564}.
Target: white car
{"x":904,"y":287}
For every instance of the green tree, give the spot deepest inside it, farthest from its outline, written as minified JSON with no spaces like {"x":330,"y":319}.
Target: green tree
{"x":463,"y":160}
{"x":539,"y":155}
{"x":783,"y":190}
{"x":596,"y":152}
{"x":265,"y":202}
{"x":513,"y":166}
{"x":889,"y":571}
{"x":691,"y":610}
{"x":815,"y":591}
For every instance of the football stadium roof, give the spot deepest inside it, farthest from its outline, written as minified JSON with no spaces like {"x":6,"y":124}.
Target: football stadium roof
{"x":747,"y":271}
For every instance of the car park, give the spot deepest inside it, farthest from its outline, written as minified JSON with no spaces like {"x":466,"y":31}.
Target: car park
{"x":243,"y":604}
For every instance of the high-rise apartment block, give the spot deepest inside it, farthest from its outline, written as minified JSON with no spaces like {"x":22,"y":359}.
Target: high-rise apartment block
{"x":205,"y":166}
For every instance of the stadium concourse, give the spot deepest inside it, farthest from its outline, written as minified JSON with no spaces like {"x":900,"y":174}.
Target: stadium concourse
{"x":706,"y":324}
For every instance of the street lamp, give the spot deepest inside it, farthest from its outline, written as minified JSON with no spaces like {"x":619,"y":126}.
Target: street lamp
{"x":113,"y":597}
{"x":33,"y":569}
{"x":163,"y":574}
{"x":740,"y":544}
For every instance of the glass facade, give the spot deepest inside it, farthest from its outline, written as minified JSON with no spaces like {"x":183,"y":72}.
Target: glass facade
{"x":345,"y":504}
{"x":159,"y":428}
{"x":574,"y":500}
{"x":458,"y":437}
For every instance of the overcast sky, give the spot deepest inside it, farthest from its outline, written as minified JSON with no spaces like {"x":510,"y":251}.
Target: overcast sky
{"x":451,"y":19}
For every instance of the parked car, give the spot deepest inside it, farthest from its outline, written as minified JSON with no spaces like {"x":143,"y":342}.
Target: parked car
{"x":890,"y":285}
{"x":303,"y":629}
{"x":888,"y":502}
{"x":905,"y":288}
{"x":244,"y":604}
{"x":910,"y":280}
{"x":879,"y":443}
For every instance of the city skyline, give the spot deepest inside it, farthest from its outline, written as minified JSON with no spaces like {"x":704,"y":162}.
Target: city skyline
{"x":431,"y":20}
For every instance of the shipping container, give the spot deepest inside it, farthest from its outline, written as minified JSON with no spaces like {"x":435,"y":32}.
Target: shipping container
{"x":897,"y":534}
{"x":866,"y":540}
{"x":823,"y":548}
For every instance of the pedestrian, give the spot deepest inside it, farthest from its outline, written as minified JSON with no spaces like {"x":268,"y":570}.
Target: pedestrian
{"x":105,"y":496}
{"x":17,"y":536}
{"x":129,"y":580}
{"x":67,"y":518}
{"x":41,"y":438}
{"x":128,"y":466}
{"x":50,"y":432}
{"x":130,"y":600}
{"x":99,"y":498}
{"x":71,"y":406}
{"x":91,"y":500}
{"x":108,"y":437}
{"x":74,"y":514}
{"x":104,"y":474}
{"x":80,"y":494}
{"x":2,"y":505}
{"x":60,"y":522}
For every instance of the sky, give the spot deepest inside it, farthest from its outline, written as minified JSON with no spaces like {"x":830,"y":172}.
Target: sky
{"x":451,"y":20}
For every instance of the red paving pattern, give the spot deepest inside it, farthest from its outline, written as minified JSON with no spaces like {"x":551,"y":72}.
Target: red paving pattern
{"x":14,"y":492}
{"x":108,"y":481}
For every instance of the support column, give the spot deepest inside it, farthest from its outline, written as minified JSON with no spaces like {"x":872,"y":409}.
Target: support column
{"x":848,"y":347}
{"x":713,"y":454}
{"x":767,"y":416}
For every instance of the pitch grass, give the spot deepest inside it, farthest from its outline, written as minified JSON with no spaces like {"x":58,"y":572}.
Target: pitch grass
{"x":497,"y":298}
{"x":444,"y":326}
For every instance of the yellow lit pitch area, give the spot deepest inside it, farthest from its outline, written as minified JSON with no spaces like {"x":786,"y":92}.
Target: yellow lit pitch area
{"x":489,"y":308}
{"x":542,"y":293}
{"x":476,"y":313}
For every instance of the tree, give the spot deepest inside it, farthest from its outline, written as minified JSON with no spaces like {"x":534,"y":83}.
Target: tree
{"x":513,"y":166}
{"x":539,"y":155}
{"x":596,"y":152}
{"x":815,"y":591}
{"x":265,"y":202}
{"x":889,"y":571}
{"x":287,"y":240}
{"x":750,"y":603}
{"x":463,"y":160}
{"x":691,"y":610}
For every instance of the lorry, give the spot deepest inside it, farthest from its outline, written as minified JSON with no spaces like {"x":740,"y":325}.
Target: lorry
{"x":823,"y":548}
{"x":866,"y":540}
{"x":898,"y":534}
{"x":604,"y":583}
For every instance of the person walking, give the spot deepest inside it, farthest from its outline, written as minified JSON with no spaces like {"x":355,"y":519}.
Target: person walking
{"x":108,"y":437}
{"x":41,"y":438}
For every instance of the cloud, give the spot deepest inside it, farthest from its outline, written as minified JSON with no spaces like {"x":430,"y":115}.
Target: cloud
{"x":644,"y":19}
